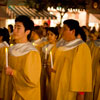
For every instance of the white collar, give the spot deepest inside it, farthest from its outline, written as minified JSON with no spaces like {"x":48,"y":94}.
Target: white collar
{"x":43,"y":39}
{"x":49,"y":47}
{"x":4,"y":44}
{"x":36,"y":42}
{"x":97,"y":43}
{"x":61,"y":42}
{"x":21,"y":49}
{"x":71,"y":45}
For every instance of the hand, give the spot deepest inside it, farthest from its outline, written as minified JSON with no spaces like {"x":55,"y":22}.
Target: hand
{"x":50,"y":70}
{"x":45,"y":63}
{"x":9,"y":71}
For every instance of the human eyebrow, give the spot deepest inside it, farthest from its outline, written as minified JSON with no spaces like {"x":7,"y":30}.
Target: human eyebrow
{"x":19,"y":26}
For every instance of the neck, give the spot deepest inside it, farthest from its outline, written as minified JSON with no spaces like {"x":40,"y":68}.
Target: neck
{"x":71,"y":39}
{"x":21,"y":41}
{"x":53,"y":42}
{"x":1,"y":41}
{"x":36,"y":38}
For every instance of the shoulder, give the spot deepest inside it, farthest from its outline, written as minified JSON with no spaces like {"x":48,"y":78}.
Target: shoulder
{"x":83,"y":50}
{"x":33,"y":53}
{"x":32,"y":56}
{"x":83,"y":46}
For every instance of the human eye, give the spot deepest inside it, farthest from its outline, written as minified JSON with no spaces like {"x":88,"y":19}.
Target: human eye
{"x":52,"y":34}
{"x":18,"y":28}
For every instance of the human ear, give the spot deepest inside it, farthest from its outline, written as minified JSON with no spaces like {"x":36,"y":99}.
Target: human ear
{"x":1,"y":38}
{"x":27,"y":32}
{"x":73,"y":31}
{"x":56,"y":37}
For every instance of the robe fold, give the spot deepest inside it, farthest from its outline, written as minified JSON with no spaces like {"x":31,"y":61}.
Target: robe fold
{"x":73,"y":71}
{"x":95,"y":52}
{"x":25,"y":61}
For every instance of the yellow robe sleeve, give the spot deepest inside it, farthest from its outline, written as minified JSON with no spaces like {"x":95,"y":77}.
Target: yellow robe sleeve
{"x":2,"y":58}
{"x":2,"y":65}
{"x":26,"y":82}
{"x":5,"y":84}
{"x":91,"y":46}
{"x":81,"y":77}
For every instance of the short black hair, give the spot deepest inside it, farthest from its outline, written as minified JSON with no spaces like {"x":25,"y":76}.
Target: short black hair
{"x":27,"y":22}
{"x":72,"y":24}
{"x":54,"y":30}
{"x":38,"y":30}
{"x":45,"y":23}
{"x":11,"y":27}
{"x":82,"y":34}
{"x":5,"y":34}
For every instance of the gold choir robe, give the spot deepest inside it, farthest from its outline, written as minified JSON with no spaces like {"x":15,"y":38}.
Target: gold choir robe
{"x":45,"y":79}
{"x":73,"y":71}
{"x":3,"y":45}
{"x":95,"y":52}
{"x":39,"y":44}
{"x":24,"y":59}
{"x":2,"y":60}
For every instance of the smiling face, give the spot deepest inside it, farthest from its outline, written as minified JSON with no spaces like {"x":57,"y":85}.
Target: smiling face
{"x":68,"y":34}
{"x":51,"y":37}
{"x":19,"y":33}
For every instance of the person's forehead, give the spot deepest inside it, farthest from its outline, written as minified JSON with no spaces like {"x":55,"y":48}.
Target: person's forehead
{"x":50,"y":32}
{"x":19,"y":24}
{"x":65,"y":26}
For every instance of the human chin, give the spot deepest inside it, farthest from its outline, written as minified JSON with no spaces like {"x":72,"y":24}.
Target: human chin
{"x":49,"y":40}
{"x":15,"y":37}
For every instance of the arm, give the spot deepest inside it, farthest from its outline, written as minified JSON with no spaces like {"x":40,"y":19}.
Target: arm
{"x":29,"y":75}
{"x":82,"y":70}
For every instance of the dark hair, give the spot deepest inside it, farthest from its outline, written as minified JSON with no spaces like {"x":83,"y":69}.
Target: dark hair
{"x":74,"y":24}
{"x":84,"y":27}
{"x":54,"y":30}
{"x":27,"y":22}
{"x":11,"y":27}
{"x":45,"y":23}
{"x":5,"y":34}
{"x":82,"y":34}
{"x":38,"y":30}
{"x":93,"y":30}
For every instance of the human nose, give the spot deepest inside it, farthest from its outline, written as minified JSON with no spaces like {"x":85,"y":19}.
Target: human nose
{"x":15,"y":30}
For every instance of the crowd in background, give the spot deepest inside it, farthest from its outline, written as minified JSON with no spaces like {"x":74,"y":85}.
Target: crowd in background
{"x":91,"y":33}
{"x":67,"y":71}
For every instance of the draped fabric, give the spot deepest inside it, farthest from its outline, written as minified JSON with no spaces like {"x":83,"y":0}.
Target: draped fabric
{"x":25,"y":61}
{"x":73,"y":73}
{"x":95,"y":52}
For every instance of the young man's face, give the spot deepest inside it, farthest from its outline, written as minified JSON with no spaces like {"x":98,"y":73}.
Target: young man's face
{"x":68,"y":34}
{"x":19,"y":32}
